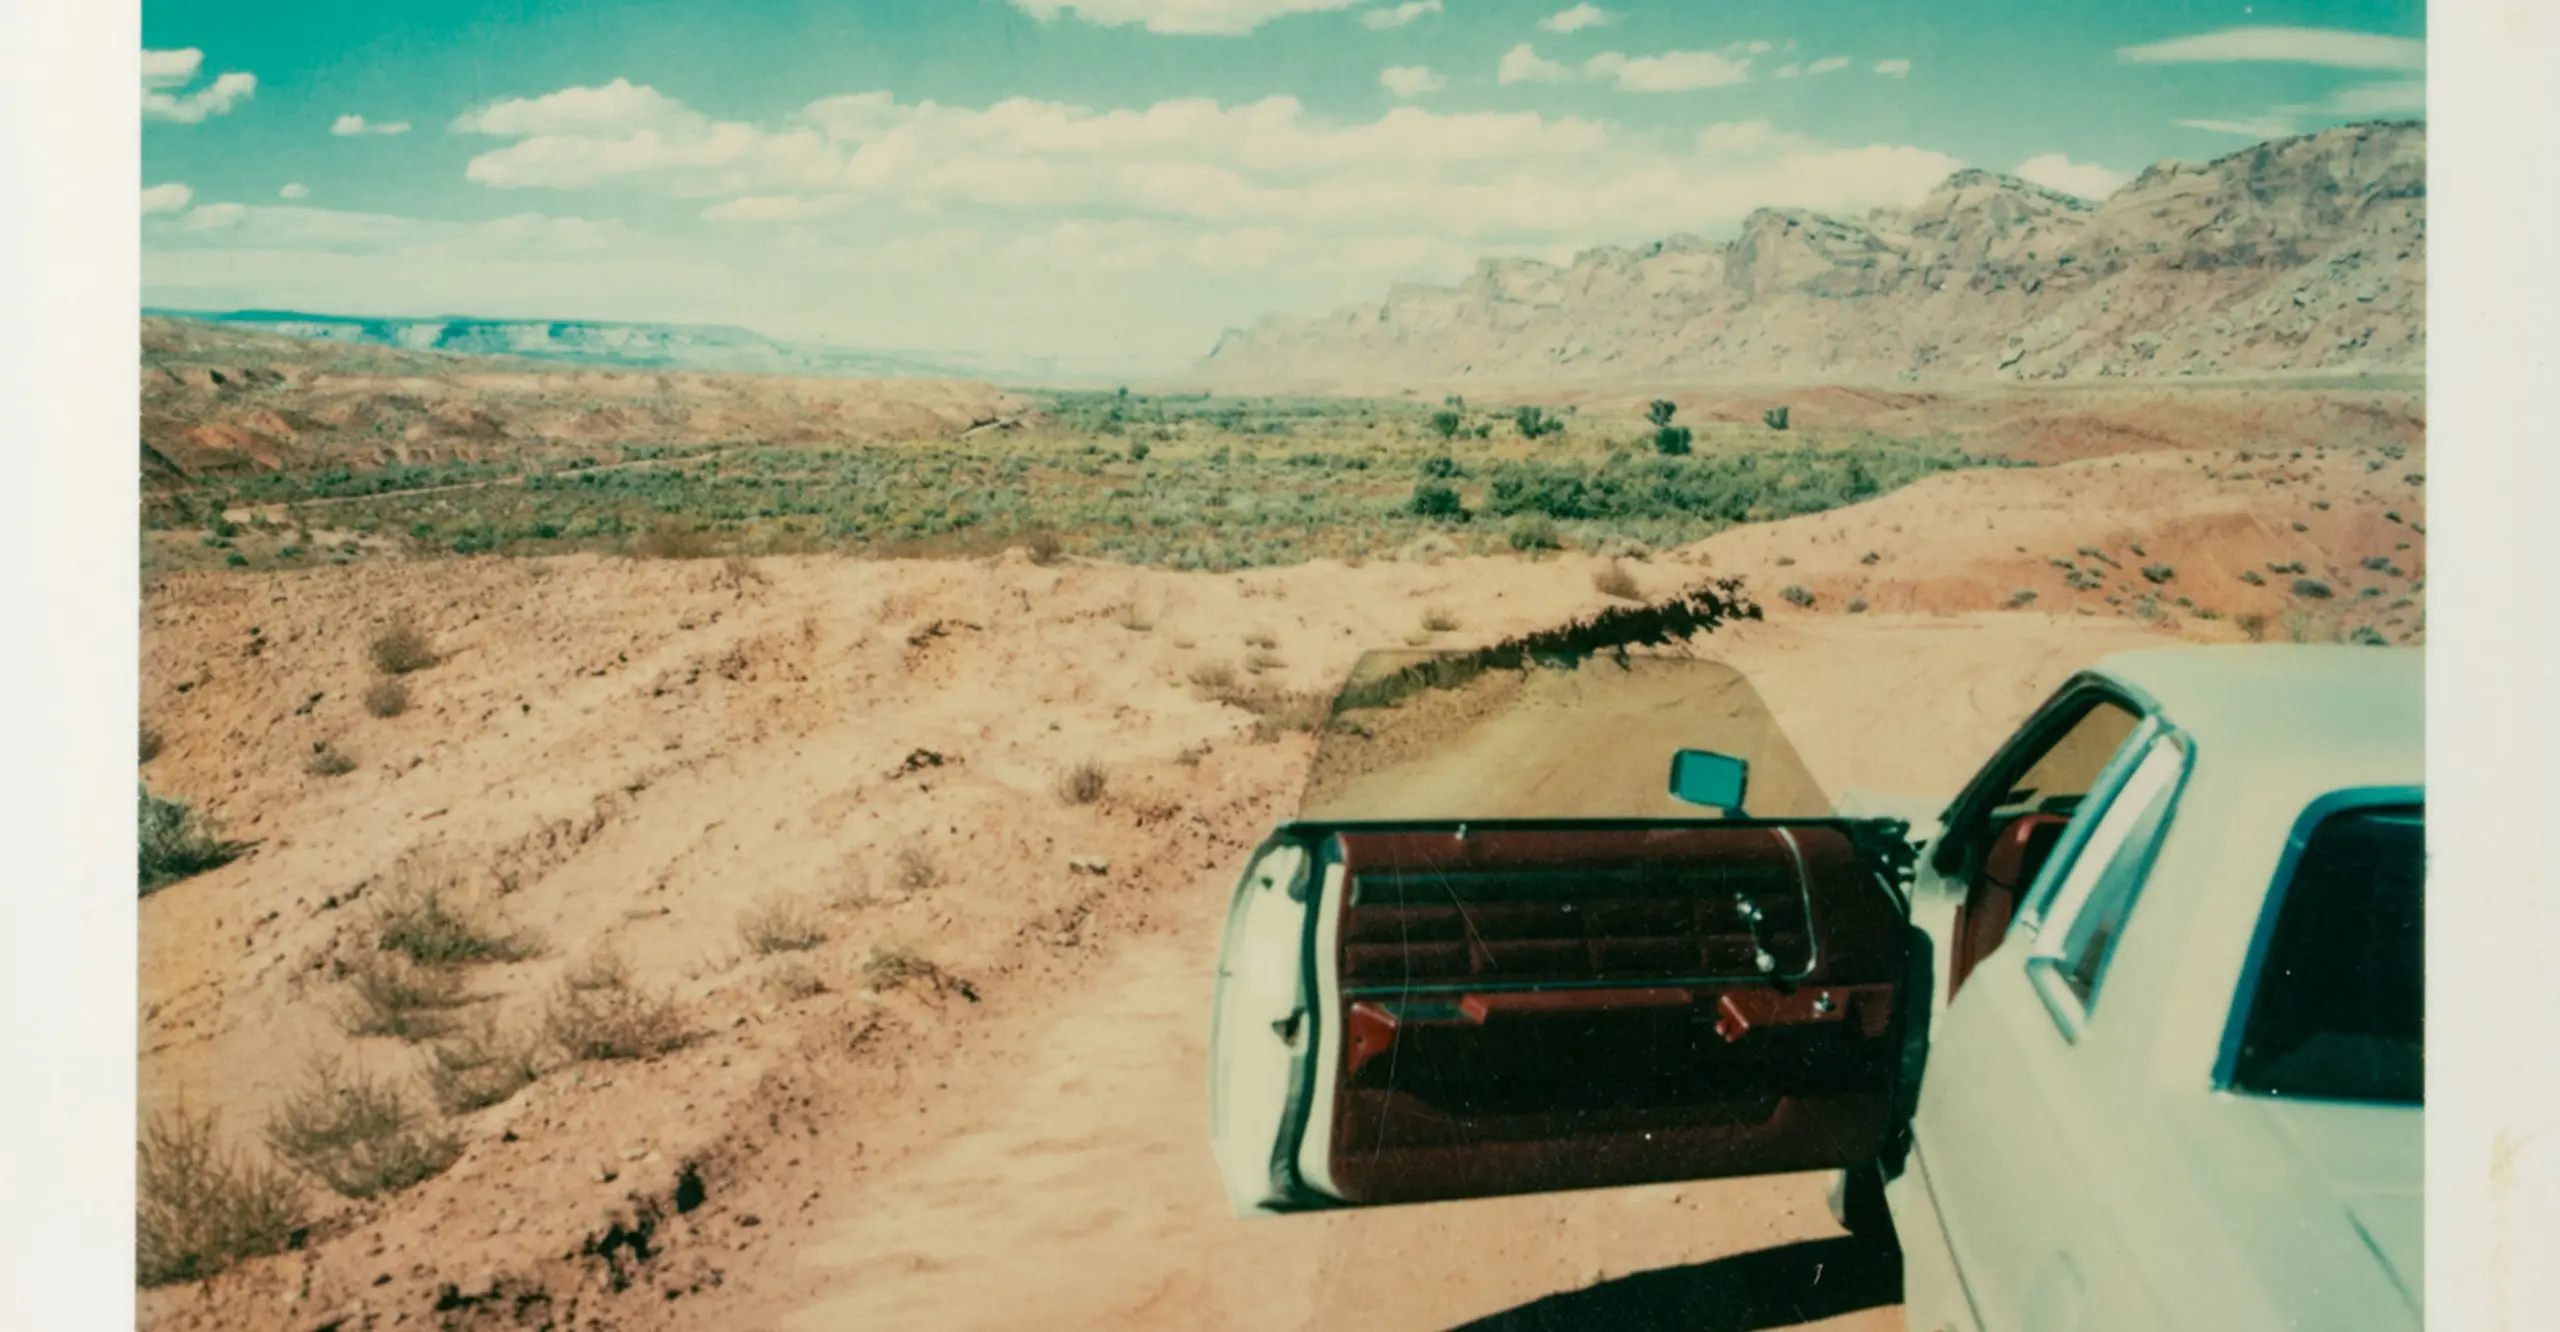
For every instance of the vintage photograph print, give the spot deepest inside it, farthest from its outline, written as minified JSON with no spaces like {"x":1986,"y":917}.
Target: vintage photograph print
{"x":1282,"y":664}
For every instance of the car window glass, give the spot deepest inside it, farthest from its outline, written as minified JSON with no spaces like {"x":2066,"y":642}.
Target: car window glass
{"x":2097,"y":890}
{"x":2062,"y":774}
{"x":2090,"y":939}
{"x":2339,"y":1007}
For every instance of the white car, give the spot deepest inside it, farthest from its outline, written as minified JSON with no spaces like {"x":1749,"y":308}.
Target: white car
{"x":2128,"y":1036}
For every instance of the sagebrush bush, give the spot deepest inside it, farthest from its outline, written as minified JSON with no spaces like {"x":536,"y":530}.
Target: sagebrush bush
{"x":781,"y":923}
{"x":481,"y":1067}
{"x":1796,"y":595}
{"x":2312,"y":588}
{"x":358,"y":1135}
{"x":597,"y":1013}
{"x":200,"y":1209}
{"x":327,"y":761}
{"x":892,"y":965}
{"x":1213,"y":678}
{"x":1439,"y":620}
{"x":1534,"y":534}
{"x":176,"y":842}
{"x":1615,"y":581}
{"x":916,"y":868}
{"x":423,"y":915}
{"x":387,"y":697}
{"x":402,"y":647}
{"x":389,"y":995}
{"x":1083,"y":783}
{"x":1432,"y":499}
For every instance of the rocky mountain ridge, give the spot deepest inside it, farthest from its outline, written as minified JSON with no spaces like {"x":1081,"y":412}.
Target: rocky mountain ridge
{"x":2305,"y":254}
{"x":624,"y":345}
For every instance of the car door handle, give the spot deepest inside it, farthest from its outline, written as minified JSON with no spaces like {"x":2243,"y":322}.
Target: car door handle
{"x":1287,"y":1028}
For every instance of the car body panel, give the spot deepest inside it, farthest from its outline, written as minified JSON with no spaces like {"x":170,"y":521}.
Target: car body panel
{"x":2180,"y":1204}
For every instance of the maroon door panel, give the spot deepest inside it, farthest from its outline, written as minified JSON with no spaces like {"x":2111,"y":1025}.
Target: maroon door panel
{"x":1526,"y":1010}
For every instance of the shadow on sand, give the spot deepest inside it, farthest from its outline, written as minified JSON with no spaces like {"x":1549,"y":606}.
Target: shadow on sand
{"x":1769,"y":1288}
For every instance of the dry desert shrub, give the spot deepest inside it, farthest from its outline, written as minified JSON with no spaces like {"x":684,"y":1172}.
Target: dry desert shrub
{"x":601,"y":969}
{"x":1615,"y":581}
{"x":1214,"y":678}
{"x":1084,"y":783}
{"x":673,"y":541}
{"x":795,"y":980}
{"x":737,"y":571}
{"x":387,"y":698}
{"x":1045,"y":547}
{"x":358,"y":1135}
{"x":199,"y":1209}
{"x":1439,"y":620}
{"x":892,"y":965}
{"x":402,"y":647}
{"x":481,"y":1067}
{"x":597,"y":1013}
{"x":1262,"y":638}
{"x":390,"y":995}
{"x":175,"y":842}
{"x":1278,"y":712}
{"x":151,"y":743}
{"x":1263,"y":659}
{"x":327,"y":760}
{"x":781,"y":923}
{"x":916,"y":868}
{"x":423,"y":916}
{"x":1134,"y":620}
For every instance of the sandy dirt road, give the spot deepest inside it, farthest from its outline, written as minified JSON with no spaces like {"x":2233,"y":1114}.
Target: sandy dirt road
{"x":1072,"y":1185}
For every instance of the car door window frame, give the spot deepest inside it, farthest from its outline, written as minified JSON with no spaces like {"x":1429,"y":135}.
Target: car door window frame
{"x":2125,"y":839}
{"x":1967,"y":820}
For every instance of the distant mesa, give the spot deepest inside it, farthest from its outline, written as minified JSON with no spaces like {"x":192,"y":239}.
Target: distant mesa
{"x":621,"y":345}
{"x":2300,"y":255}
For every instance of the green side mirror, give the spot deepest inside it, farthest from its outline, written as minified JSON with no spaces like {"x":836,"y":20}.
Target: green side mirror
{"x":1705,"y":777}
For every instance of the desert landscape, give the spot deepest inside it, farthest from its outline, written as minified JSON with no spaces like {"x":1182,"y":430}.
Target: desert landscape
{"x":645,"y":847}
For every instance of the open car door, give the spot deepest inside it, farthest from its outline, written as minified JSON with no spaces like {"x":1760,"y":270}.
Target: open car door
{"x":1412,"y":1009}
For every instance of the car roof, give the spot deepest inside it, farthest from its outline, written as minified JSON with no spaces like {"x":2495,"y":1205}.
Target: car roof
{"x":2288,"y":710}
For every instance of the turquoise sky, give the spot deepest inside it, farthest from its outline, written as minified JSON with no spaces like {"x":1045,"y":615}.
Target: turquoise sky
{"x":1115,"y":182}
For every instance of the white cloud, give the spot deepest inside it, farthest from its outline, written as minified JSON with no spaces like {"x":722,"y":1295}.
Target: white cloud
{"x":1577,"y":18}
{"x":294,"y":190}
{"x":2393,"y":98}
{"x":619,"y":105}
{"x":351,"y":123}
{"x":1522,"y":64}
{"x":2057,"y":172}
{"x":1672,"y":71}
{"x":164,"y":71}
{"x":1190,"y":17}
{"x":1410,"y":80}
{"x":1399,"y":15}
{"x":167,"y":198}
{"x":171,"y":69}
{"x":1737,"y":138}
{"x":2333,"y":47}
{"x":1826,"y":64}
{"x":2251,"y":129}
{"x":1894,"y":68}
{"x":771,"y":208}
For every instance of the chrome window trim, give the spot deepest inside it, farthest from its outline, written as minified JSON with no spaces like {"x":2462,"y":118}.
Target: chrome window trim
{"x":2046,"y":961}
